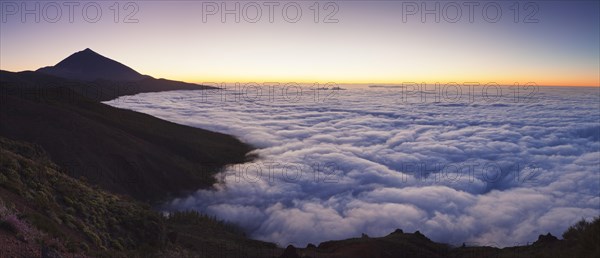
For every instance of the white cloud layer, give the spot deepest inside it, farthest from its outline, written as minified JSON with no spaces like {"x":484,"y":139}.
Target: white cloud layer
{"x":496,"y":172}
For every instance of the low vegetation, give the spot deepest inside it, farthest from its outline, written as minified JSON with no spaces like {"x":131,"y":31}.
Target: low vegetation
{"x":585,"y":236}
{"x":42,"y":206}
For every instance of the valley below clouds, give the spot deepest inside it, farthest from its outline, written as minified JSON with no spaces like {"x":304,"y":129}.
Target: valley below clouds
{"x":332,"y":165}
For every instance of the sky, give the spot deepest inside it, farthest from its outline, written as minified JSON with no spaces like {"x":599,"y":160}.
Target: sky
{"x":545,"y":42}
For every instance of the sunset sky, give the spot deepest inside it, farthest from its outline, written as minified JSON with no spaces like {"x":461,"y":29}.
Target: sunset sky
{"x":371,"y":42}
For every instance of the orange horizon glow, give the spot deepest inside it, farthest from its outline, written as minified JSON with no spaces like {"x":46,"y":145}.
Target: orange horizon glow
{"x":482,"y":82}
{"x":232,"y":80}
{"x":502,"y":83}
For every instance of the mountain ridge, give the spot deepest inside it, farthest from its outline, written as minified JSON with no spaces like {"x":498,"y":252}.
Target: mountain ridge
{"x":88,"y":65}
{"x":122,"y":151}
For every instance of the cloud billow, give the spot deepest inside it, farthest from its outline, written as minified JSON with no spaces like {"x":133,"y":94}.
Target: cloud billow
{"x":490,"y":172}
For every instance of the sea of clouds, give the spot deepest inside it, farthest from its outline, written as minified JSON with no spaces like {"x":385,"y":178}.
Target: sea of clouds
{"x":489,"y":168}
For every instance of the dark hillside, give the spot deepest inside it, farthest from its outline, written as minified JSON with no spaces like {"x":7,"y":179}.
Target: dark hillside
{"x":45,"y":213}
{"x":121,"y":150}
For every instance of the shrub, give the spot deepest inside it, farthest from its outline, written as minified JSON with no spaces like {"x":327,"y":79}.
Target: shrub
{"x":575,"y":231}
{"x":14,"y":224}
{"x":192,"y":217}
{"x":5,"y":225}
{"x":586,"y":236}
{"x":45,"y":224}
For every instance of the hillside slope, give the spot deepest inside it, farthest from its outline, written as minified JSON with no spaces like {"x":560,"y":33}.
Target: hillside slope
{"x":43,"y":210}
{"x":122,"y":151}
{"x":36,"y":83}
{"x":57,"y":206}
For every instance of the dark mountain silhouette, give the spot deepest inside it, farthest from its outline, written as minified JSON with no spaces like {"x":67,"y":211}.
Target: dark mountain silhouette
{"x":98,"y":90}
{"x":123,"y":151}
{"x":96,"y":77}
{"x":88,"y":65}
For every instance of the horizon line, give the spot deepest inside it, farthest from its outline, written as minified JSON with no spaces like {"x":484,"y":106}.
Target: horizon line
{"x":464,"y":83}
